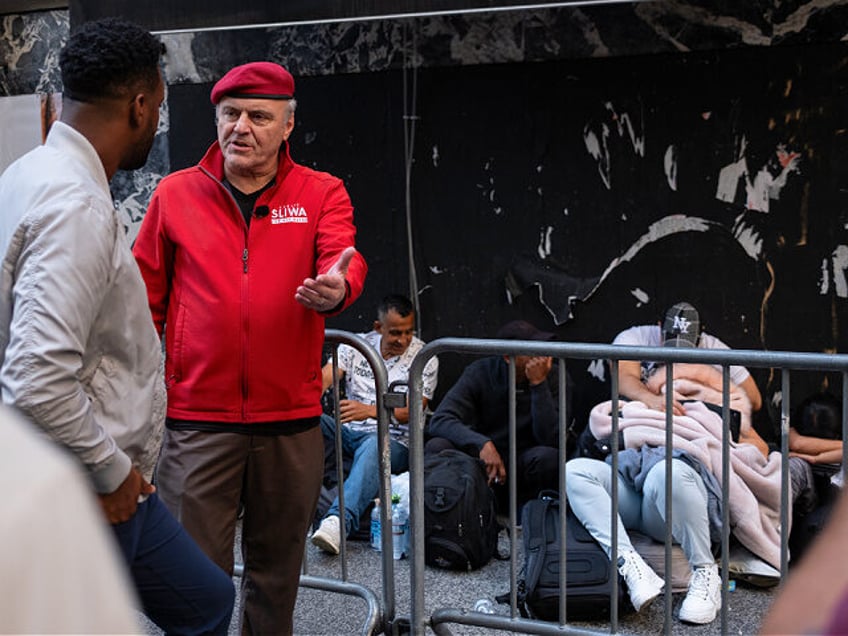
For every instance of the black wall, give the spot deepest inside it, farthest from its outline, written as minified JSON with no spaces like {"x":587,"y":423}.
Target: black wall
{"x":566,"y":162}
{"x":507,"y":198}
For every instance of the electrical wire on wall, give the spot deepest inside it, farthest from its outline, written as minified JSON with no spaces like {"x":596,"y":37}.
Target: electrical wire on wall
{"x":410,"y":94}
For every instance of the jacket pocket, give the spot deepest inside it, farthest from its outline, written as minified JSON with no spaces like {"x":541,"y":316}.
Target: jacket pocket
{"x":174,"y":351}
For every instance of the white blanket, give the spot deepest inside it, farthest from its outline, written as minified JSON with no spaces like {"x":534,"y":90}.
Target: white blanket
{"x":754,"y":481}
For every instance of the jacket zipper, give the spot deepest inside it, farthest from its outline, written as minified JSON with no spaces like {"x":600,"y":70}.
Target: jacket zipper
{"x":244,"y":385}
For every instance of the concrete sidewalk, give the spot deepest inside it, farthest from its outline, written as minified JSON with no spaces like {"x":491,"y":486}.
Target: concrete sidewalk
{"x":321,"y":612}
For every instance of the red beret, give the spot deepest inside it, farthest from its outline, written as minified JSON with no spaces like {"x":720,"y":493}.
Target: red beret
{"x":257,"y":80}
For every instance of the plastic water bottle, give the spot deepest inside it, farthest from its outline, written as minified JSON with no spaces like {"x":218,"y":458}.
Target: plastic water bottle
{"x":484,"y":606}
{"x":398,"y":529}
{"x":376,"y":535}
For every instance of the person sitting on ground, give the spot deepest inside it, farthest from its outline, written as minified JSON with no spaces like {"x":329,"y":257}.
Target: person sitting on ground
{"x":815,"y":455}
{"x":393,"y":336}
{"x":815,"y":434}
{"x":681,"y":327}
{"x":642,"y":499}
{"x":474,"y":417}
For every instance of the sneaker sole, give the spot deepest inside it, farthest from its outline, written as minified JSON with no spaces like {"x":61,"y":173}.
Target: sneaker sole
{"x":700,"y":619}
{"x":324,"y":543}
{"x":647,"y":602}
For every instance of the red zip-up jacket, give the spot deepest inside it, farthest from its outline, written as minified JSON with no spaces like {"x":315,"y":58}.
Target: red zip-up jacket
{"x":239,"y":347}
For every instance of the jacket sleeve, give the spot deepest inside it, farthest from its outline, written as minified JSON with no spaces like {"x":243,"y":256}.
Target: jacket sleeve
{"x":336,"y":231}
{"x":456,"y":416}
{"x":544,"y":414}
{"x":154,"y":254}
{"x":62,"y":271}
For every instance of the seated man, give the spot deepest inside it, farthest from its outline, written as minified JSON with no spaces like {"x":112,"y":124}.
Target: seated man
{"x":681,"y":327}
{"x":393,"y":338}
{"x":474,"y":417}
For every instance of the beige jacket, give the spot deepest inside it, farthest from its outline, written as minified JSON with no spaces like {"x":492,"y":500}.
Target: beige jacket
{"x":79,"y":354}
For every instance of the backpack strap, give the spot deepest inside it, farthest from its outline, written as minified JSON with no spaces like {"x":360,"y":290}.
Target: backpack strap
{"x":538,"y":542}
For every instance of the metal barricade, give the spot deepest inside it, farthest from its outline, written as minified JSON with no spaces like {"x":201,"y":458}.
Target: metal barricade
{"x":561,"y":351}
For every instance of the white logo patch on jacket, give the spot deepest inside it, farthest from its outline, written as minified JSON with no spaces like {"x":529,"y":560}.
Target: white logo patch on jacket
{"x":293,"y":213}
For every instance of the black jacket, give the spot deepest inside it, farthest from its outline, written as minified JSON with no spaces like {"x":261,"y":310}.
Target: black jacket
{"x":476,"y":409}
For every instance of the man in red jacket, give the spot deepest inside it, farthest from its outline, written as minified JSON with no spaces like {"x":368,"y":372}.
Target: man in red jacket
{"x":244,"y":255}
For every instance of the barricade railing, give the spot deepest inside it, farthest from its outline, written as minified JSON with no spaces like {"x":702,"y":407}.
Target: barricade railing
{"x":785,"y":362}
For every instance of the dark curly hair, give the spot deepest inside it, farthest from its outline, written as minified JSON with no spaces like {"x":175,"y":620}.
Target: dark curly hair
{"x":109,"y":58}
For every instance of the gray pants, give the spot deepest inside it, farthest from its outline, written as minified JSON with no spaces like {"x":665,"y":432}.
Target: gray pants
{"x":589,"y":483}
{"x":803,"y":488}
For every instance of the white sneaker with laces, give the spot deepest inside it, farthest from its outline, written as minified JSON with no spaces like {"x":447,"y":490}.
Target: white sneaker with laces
{"x":328,"y":535}
{"x":703,"y":600}
{"x":643,"y":584}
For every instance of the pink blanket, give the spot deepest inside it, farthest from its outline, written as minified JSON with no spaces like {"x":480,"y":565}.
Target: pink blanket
{"x":754,"y":481}
{"x":702,"y":382}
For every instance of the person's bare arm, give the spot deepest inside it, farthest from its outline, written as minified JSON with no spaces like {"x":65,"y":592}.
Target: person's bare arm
{"x":327,"y":375}
{"x":402,"y":414}
{"x":752,"y":437}
{"x":630,"y":385}
{"x":753,"y":393}
{"x":814,"y":449}
{"x":811,"y":445}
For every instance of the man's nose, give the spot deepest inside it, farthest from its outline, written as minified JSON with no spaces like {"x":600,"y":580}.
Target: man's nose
{"x":242,"y":123}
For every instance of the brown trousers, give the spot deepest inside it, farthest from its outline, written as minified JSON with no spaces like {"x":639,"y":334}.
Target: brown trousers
{"x":204,"y":478}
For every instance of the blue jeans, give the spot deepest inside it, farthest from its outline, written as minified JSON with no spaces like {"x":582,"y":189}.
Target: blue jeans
{"x":363,"y":481}
{"x":588,"y":484}
{"x":180,"y":588}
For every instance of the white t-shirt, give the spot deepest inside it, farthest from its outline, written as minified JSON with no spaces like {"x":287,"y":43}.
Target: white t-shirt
{"x":360,"y":385}
{"x":651,"y":336}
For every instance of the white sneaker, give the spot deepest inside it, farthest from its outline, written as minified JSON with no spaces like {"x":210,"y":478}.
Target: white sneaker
{"x":643,"y":584}
{"x":703,"y":600}
{"x":328,"y":536}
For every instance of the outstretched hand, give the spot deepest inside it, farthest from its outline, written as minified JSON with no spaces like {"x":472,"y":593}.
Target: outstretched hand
{"x":326,"y":291}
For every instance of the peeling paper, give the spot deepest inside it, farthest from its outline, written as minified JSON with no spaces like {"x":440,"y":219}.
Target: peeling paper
{"x":670,"y":166}
{"x":598,"y":369}
{"x":641,"y":296}
{"x":544,"y":248}
{"x":765,"y":186}
{"x":597,"y":144}
{"x":658,"y":230}
{"x":840,"y":264}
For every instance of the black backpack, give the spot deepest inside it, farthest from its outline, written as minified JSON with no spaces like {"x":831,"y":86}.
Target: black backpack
{"x":588,"y":569}
{"x":460,"y":522}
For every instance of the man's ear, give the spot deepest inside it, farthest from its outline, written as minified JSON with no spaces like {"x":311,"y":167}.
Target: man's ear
{"x":137,"y":110}
{"x":289,"y":126}
{"x":378,"y":325}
